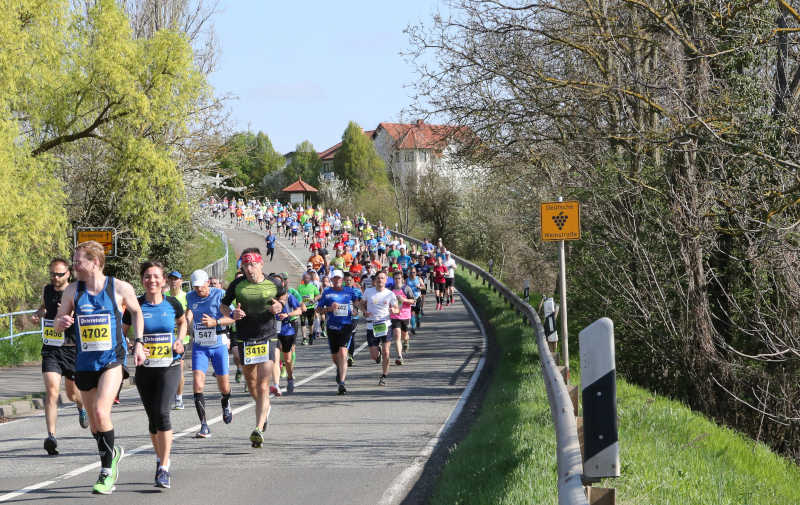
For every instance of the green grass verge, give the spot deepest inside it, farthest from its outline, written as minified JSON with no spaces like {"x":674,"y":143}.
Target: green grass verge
{"x":669,"y":454}
{"x":24,"y":349}
{"x":205,"y":248}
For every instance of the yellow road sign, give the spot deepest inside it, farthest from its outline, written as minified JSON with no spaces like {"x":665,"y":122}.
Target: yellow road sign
{"x":104,"y":236}
{"x":561,"y":221}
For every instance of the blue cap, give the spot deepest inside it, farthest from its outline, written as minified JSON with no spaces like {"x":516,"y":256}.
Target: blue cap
{"x":175,"y":274}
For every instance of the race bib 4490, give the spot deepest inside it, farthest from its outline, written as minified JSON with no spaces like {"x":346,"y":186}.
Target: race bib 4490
{"x":95,"y":332}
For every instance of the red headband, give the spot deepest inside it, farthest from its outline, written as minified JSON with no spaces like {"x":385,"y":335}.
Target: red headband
{"x":251,"y":258}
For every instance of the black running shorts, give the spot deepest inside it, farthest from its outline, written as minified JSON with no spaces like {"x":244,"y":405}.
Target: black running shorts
{"x":60,"y":360}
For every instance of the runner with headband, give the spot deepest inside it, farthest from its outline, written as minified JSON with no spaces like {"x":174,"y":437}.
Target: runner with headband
{"x":258,"y":299}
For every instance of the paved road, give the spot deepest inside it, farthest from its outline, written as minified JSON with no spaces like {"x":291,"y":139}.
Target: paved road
{"x":323,"y":448}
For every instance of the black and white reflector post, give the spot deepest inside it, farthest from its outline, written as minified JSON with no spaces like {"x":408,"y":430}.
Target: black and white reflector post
{"x":550,"y":332}
{"x":599,"y":399}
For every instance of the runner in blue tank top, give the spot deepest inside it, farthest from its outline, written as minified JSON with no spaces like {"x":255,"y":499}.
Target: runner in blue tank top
{"x":338,"y":303}
{"x":96,"y":301}
{"x":158,"y":376}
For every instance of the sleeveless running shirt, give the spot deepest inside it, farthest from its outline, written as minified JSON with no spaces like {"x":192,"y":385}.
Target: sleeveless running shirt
{"x":98,"y":328}
{"x":52,"y":299}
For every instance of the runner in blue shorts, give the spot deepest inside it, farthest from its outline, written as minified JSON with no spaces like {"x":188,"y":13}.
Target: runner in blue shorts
{"x":338,"y":302}
{"x":210,"y":345}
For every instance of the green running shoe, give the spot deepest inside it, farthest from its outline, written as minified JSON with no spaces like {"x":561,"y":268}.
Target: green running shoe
{"x":104,"y":484}
{"x":257,"y":438}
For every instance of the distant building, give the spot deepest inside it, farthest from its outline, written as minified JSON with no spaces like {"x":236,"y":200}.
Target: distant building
{"x":328,"y":154}
{"x":407,"y":149}
{"x":416,"y":148}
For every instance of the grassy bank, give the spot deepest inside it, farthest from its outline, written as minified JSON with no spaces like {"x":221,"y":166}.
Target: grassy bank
{"x":204,"y":249}
{"x":669,"y":454}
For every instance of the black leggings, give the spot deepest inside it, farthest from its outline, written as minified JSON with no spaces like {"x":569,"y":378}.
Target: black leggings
{"x":157,"y":386}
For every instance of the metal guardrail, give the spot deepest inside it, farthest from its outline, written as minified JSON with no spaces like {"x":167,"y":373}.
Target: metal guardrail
{"x":11,"y":333}
{"x":215,"y":269}
{"x":568,"y":451}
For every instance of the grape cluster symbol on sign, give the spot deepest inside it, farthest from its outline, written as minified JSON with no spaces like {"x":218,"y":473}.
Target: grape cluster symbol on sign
{"x":560,"y":219}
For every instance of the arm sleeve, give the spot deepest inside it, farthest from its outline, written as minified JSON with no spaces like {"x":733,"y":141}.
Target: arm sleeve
{"x":230,"y":293}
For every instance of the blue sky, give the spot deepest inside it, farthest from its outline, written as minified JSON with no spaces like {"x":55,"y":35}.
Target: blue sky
{"x":303,"y":69}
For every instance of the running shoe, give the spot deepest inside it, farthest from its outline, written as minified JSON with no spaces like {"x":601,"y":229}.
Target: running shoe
{"x":350,"y":360}
{"x":50,"y":445}
{"x":203,"y":433}
{"x":382,"y":380}
{"x":163,"y":478}
{"x":305,"y":341}
{"x":342,"y":389}
{"x":83,"y":418}
{"x":290,"y":386}
{"x":116,"y":401}
{"x":275,"y":390}
{"x":227,"y":415}
{"x":398,"y":361}
{"x":238,"y":377}
{"x":104,"y":484}
{"x":178,"y":403}
{"x":257,"y":438}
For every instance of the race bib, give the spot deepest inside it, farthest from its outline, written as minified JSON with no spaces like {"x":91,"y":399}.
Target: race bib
{"x":342,"y":310}
{"x":380,"y":329}
{"x":160,"y":347}
{"x":49,"y":334}
{"x":95,"y":332}
{"x":204,"y":335}
{"x":256,"y":353}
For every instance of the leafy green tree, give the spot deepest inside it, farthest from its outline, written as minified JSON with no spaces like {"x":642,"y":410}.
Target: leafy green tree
{"x":92,"y":115}
{"x":248,"y":157}
{"x":305,"y":163}
{"x":357,"y":162}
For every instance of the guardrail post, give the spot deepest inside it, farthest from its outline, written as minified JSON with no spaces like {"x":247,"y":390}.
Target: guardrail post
{"x":11,"y":328}
{"x":599,"y":400}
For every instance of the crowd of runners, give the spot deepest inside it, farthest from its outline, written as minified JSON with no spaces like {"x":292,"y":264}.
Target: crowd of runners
{"x":359,"y":280}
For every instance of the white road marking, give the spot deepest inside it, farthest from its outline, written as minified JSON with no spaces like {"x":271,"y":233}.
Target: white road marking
{"x":398,"y":488}
{"x":145,"y":447}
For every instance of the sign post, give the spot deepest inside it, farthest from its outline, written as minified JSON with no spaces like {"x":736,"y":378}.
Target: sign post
{"x":106,"y":236}
{"x":561,"y":221}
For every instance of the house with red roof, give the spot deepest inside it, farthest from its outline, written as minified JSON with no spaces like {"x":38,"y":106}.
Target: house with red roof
{"x":406,"y":148}
{"x":416,"y":148}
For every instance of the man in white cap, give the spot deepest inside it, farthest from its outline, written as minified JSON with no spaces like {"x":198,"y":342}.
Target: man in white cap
{"x":209,"y":326}
{"x":338,"y":302}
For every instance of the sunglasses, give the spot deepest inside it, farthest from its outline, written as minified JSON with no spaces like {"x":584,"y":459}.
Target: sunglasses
{"x":58,"y":274}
